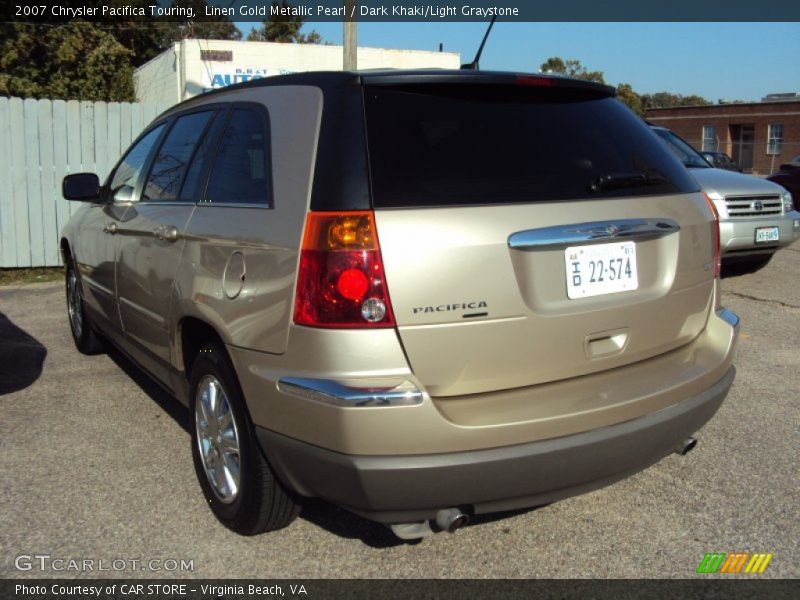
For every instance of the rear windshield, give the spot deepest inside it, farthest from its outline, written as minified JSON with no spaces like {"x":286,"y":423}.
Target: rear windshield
{"x":469,"y":146}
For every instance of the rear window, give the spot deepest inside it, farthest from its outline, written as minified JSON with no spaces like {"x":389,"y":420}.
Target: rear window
{"x":470,"y":146}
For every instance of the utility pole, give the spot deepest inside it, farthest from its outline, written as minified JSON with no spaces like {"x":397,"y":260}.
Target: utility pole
{"x":350,"y":58}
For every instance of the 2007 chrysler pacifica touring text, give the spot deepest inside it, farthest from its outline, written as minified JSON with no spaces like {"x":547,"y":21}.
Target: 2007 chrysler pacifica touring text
{"x":419,"y":295}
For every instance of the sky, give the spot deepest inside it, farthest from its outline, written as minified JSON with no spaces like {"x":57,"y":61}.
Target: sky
{"x":731,"y":61}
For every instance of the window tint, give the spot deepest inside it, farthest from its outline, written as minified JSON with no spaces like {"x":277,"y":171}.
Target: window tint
{"x":456,"y":146}
{"x":240,"y":172}
{"x":127,"y":174}
{"x":682,"y":151}
{"x":193,"y":182}
{"x":173,"y":157}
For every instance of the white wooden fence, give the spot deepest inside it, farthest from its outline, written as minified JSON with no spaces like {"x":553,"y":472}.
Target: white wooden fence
{"x":40,"y":142}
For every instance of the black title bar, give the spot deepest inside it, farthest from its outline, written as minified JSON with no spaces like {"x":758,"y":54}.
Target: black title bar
{"x":52,"y":11}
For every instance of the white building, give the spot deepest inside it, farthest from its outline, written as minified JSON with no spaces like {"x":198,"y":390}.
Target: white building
{"x":193,"y":66}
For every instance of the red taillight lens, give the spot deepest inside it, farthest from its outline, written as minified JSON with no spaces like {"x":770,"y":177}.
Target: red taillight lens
{"x":715,"y":233}
{"x":340,"y":282}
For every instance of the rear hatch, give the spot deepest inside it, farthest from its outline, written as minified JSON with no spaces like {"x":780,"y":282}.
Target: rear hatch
{"x":531,"y":233}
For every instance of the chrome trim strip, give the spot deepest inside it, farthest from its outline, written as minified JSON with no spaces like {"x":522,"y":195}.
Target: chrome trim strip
{"x":592,"y":233}
{"x":263,"y":206}
{"x":95,"y":285}
{"x":330,"y":392}
{"x":730,"y":317}
{"x":141,"y":309}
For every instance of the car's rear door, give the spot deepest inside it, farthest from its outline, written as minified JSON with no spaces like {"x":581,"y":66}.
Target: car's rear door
{"x":532,"y":235}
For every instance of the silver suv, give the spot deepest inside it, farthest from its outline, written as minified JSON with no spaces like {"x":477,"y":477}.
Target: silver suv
{"x":418,"y":295}
{"x":756,"y":216}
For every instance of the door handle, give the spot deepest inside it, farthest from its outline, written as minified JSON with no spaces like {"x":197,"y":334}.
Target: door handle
{"x":110,"y":228}
{"x":167,"y":233}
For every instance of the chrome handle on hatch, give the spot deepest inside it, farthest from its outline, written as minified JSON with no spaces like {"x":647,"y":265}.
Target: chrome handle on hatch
{"x":592,"y":233}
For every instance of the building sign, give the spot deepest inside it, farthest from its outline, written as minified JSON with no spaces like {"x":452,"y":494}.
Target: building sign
{"x":216,"y":55}
{"x":224,"y":77}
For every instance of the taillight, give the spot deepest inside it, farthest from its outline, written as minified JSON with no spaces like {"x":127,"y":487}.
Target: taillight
{"x":715,"y":233}
{"x":341,"y":282}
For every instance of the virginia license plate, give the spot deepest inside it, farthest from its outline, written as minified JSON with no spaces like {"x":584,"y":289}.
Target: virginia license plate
{"x":600,"y":269}
{"x":767,"y":234}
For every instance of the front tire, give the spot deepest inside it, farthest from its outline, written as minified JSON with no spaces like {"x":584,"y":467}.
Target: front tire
{"x":236,"y":479}
{"x":83,"y":334}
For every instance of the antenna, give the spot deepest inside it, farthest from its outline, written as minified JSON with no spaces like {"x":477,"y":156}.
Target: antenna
{"x":474,"y":66}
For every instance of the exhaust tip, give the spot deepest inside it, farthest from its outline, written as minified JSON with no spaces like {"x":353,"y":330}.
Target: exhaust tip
{"x":451,"y":519}
{"x":686,"y":446}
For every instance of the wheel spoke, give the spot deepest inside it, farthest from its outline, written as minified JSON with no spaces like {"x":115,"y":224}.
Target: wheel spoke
{"x":231,"y":474}
{"x":224,"y":423}
{"x":213,"y":394}
{"x":229,"y":445}
{"x":219,"y":478}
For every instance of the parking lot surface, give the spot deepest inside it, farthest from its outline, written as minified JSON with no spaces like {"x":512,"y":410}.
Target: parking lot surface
{"x":96,"y":464}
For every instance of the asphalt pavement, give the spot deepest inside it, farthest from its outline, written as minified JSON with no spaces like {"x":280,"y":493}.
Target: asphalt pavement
{"x":96,"y":465}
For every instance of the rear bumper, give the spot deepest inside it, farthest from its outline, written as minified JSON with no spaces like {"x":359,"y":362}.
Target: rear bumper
{"x":395,"y":489}
{"x":738,"y":237}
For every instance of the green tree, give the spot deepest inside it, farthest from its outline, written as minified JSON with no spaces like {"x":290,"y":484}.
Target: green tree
{"x":627,"y":96}
{"x":78,"y":60}
{"x":283,"y":28}
{"x":670,"y":100}
{"x":570,"y":68}
{"x":199,"y":27}
{"x":95,"y":60}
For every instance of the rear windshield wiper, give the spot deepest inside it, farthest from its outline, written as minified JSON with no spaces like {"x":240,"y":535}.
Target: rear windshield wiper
{"x":613,"y":181}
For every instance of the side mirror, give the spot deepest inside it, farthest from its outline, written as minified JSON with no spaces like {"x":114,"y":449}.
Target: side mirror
{"x":83,"y":187}
{"x":789,"y":167}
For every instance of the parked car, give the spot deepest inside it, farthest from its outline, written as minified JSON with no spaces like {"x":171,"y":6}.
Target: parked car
{"x":756,"y":216}
{"x":789,"y":176}
{"x":720,"y":160}
{"x":419,"y":295}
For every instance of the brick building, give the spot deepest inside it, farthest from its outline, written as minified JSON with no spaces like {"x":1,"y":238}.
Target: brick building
{"x":759,"y":136}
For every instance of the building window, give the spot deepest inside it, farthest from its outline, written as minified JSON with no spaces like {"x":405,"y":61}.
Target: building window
{"x":774,"y":138}
{"x":709,"y":138}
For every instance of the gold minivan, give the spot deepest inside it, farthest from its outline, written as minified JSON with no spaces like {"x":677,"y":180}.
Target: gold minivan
{"x":419,"y":295}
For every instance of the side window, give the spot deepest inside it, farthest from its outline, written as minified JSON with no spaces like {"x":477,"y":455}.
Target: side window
{"x":241,"y":170}
{"x":169,"y":167}
{"x":193,"y":182}
{"x":130,"y":168}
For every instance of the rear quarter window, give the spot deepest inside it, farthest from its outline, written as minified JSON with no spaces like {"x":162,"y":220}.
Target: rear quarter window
{"x":241,"y":171}
{"x":472,"y":146}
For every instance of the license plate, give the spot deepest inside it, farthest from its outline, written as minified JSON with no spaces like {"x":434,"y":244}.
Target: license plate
{"x":600,"y":269}
{"x":767,"y":234}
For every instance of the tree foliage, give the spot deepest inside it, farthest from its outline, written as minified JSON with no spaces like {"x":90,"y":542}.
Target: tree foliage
{"x":95,"y":60}
{"x":626,"y":95}
{"x":78,"y":60}
{"x":283,"y":28}
{"x":570,"y":68}
{"x":638,"y":103}
{"x":668,"y":100}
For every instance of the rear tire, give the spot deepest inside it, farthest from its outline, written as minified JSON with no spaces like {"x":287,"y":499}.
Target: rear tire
{"x":237,"y":481}
{"x":83,"y":334}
